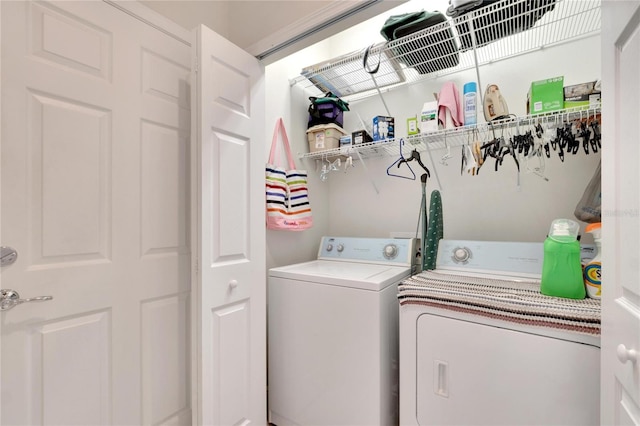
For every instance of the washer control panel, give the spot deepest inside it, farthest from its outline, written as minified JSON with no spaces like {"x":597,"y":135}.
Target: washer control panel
{"x":401,"y":251}
{"x":491,"y":256}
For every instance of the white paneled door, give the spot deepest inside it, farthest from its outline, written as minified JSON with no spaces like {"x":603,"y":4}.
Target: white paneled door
{"x":228,"y":166}
{"x":95,"y":199}
{"x":621,"y":225}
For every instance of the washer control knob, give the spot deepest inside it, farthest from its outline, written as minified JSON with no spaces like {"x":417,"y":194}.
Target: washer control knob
{"x":340,"y":248}
{"x":461,"y":255}
{"x":329,"y":247}
{"x":390,"y":251}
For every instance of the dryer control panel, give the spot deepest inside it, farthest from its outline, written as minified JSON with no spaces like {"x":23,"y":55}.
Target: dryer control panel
{"x":393,"y":251}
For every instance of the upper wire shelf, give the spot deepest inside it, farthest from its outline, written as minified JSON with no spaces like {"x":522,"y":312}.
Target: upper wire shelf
{"x":493,"y":33}
{"x":455,"y":137}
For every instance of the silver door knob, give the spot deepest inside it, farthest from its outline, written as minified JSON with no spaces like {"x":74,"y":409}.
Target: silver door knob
{"x":11,"y":298}
{"x":625,"y":354}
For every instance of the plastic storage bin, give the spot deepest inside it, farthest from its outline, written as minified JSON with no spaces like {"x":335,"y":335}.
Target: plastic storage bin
{"x":324,"y":136}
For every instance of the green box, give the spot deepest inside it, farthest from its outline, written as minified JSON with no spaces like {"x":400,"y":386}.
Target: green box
{"x":546,"y":95}
{"x":412,"y":126}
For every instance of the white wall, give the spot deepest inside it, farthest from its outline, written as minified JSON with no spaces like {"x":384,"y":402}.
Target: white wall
{"x":290,"y":103}
{"x":488,"y":206}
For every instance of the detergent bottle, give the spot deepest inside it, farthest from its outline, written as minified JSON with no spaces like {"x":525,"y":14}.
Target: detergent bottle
{"x":561,"y":268}
{"x":592,"y":269}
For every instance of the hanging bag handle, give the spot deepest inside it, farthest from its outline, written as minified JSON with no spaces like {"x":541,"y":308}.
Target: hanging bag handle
{"x":285,"y":142}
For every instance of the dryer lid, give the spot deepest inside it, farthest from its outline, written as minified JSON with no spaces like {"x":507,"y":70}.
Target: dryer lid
{"x":365,"y":276}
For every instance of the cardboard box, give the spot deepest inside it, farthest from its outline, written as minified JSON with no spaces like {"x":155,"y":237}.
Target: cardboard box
{"x":383,"y":128}
{"x":546,"y":95}
{"x":429,"y":117}
{"x":412,"y":126}
{"x":360,"y":136}
{"x":345,"y":140}
{"x":345,"y":144}
{"x":324,"y":136}
{"x":583,"y":94}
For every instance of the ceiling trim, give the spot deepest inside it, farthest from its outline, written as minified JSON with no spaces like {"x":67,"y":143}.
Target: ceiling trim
{"x":334,"y":12}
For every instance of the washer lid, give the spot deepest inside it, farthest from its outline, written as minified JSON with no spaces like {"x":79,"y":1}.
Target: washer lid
{"x":364,"y":276}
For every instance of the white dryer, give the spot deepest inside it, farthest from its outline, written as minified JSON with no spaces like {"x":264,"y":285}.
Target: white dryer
{"x":479,"y":345}
{"x":333,"y":334}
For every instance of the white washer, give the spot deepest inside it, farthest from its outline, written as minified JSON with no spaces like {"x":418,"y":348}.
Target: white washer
{"x":333,"y":334}
{"x":460,"y":368}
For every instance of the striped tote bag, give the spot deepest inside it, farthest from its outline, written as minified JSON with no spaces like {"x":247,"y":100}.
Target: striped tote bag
{"x":287,"y":197}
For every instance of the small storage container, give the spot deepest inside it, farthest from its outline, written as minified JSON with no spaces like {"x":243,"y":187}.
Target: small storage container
{"x":324,"y":136}
{"x":360,"y":136}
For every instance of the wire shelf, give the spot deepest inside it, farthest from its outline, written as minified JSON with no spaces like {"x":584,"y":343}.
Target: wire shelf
{"x":458,"y":136}
{"x":493,"y":33}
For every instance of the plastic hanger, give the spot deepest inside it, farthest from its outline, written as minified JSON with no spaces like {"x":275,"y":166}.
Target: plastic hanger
{"x":399,"y":162}
{"x":415,"y":155}
{"x":335,"y":166}
{"x":448,"y":155}
{"x":348,"y":163}
{"x":326,"y":168}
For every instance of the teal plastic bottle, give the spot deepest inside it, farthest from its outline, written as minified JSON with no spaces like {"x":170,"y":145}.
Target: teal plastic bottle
{"x":561,"y":268}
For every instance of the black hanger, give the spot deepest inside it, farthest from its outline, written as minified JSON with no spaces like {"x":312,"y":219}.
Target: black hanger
{"x":596,"y":137}
{"x":415,"y":155}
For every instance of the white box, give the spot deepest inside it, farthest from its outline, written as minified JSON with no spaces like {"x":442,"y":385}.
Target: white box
{"x":429,"y":117}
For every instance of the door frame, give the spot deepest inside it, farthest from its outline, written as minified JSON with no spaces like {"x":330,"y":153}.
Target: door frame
{"x":0,"y":199}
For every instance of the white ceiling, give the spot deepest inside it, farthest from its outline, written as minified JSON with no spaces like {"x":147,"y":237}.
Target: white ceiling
{"x":261,"y":25}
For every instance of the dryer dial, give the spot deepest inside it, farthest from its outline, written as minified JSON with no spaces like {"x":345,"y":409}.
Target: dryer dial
{"x":461,"y":255}
{"x":390,"y":251}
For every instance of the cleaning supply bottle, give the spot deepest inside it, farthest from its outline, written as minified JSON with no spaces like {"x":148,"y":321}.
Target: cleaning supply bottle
{"x":561,"y":268}
{"x":469,"y":91}
{"x":592,"y":269}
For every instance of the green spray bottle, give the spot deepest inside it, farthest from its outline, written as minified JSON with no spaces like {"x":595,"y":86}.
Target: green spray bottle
{"x":561,"y":268}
